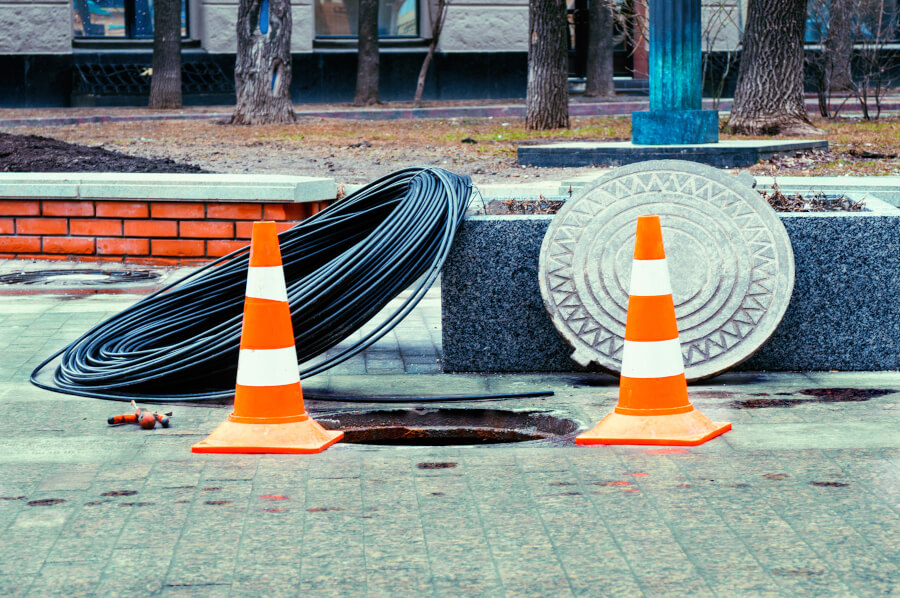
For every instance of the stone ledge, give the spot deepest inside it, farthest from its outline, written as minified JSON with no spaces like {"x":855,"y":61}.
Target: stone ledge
{"x":167,"y":187}
{"x":724,"y":154}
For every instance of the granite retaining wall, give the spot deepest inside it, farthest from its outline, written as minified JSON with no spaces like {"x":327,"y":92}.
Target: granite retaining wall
{"x":844,"y":313}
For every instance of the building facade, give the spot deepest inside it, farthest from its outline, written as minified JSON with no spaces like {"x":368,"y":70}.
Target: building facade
{"x":96,"y":52}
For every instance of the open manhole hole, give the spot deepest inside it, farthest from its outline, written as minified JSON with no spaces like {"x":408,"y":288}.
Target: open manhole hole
{"x":446,"y":427}
{"x":78,"y":277}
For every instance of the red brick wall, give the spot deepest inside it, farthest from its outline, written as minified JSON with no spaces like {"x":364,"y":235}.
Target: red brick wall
{"x":136,"y":231}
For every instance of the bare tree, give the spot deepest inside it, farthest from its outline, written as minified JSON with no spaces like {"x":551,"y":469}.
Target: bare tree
{"x":367,"y":65}
{"x":600,"y":81}
{"x":165,"y":82}
{"x":547,"y":99}
{"x":839,"y":44}
{"x":769,"y":95}
{"x":437,"y":24}
{"x":876,"y":24}
{"x":262,"y":74}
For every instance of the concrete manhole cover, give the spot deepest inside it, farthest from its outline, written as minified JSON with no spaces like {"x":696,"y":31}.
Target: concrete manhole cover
{"x":730,"y":259}
{"x":77,"y":277}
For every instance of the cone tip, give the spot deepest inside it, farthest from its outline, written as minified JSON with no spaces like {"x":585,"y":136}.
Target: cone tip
{"x":264,"y":249}
{"x":648,"y":243}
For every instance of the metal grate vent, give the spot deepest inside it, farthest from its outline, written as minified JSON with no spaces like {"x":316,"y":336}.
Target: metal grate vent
{"x":134,"y":79}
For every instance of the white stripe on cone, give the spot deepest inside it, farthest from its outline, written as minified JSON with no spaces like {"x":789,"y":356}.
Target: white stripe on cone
{"x":268,"y":367}
{"x":266,"y":282}
{"x":650,"y":278}
{"x":652,"y":359}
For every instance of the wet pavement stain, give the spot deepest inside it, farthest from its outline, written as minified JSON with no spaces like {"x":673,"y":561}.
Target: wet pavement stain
{"x":846,"y":395}
{"x":667,"y":451}
{"x":799,"y":572}
{"x":178,"y":487}
{"x":120,"y":493}
{"x":829,"y":484}
{"x":45,"y":502}
{"x":712,"y":394}
{"x":776,"y":476}
{"x":568,"y":494}
{"x":323,"y":509}
{"x":274,"y":510}
{"x":436,"y":493}
{"x":94,"y":503}
{"x":740,"y":486}
{"x":437,"y":465}
{"x":212,"y":489}
{"x":562,"y":484}
{"x":683,"y":486}
{"x":137,"y":504}
{"x":217,"y":503}
{"x":818,"y":395}
{"x":13,"y":497}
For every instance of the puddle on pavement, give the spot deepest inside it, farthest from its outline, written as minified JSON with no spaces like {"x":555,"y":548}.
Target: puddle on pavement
{"x":816,"y":395}
{"x":447,"y":427}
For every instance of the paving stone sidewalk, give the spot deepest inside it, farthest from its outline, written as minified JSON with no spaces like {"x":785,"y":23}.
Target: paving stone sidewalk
{"x":801,"y":498}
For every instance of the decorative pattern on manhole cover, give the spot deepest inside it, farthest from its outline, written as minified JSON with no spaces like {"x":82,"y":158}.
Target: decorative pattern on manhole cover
{"x":78,"y":277}
{"x":730,"y":259}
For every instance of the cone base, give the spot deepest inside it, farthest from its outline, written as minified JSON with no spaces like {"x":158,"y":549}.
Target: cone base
{"x":682,"y":429}
{"x":297,"y":437}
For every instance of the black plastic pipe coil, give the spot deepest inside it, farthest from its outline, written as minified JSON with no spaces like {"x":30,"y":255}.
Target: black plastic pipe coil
{"x":342,"y":266}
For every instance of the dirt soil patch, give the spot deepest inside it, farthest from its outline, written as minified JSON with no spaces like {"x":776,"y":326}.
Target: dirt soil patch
{"x":29,"y":153}
{"x":356,"y":151}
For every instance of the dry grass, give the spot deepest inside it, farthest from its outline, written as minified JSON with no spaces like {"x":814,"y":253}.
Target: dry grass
{"x":355,"y":151}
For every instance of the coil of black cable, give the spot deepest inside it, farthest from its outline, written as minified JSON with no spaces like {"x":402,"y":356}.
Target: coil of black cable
{"x":342,"y":266}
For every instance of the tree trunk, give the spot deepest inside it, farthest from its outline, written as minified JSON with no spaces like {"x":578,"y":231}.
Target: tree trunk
{"x":165,"y":83}
{"x":839,"y":44}
{"x":600,"y":51}
{"x":367,"y":65}
{"x":547,"y":99}
{"x":436,"y":25}
{"x":262,"y":74}
{"x":768,"y":99}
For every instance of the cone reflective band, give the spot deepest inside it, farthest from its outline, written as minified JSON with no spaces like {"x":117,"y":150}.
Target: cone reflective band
{"x":269,"y":415}
{"x":653,"y":405}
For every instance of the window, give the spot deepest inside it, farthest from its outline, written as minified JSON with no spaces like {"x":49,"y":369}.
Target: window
{"x":873,"y":20}
{"x":339,"y":18}
{"x":127,"y":19}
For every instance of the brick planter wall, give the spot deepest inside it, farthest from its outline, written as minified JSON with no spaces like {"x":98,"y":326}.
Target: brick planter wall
{"x":155,"y":232}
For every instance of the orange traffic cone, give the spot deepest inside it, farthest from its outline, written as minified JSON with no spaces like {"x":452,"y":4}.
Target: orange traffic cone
{"x":268,"y":416}
{"x":653,"y":403}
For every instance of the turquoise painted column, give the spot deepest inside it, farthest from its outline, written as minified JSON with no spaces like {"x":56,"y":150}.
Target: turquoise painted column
{"x":675,"y":115}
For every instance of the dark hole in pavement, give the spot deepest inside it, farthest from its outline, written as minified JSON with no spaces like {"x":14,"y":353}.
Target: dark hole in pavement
{"x":45,"y":502}
{"x":437,"y":465}
{"x":120,"y":493}
{"x":829,"y":484}
{"x":818,"y":395}
{"x":77,"y":277}
{"x":446,"y":427}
